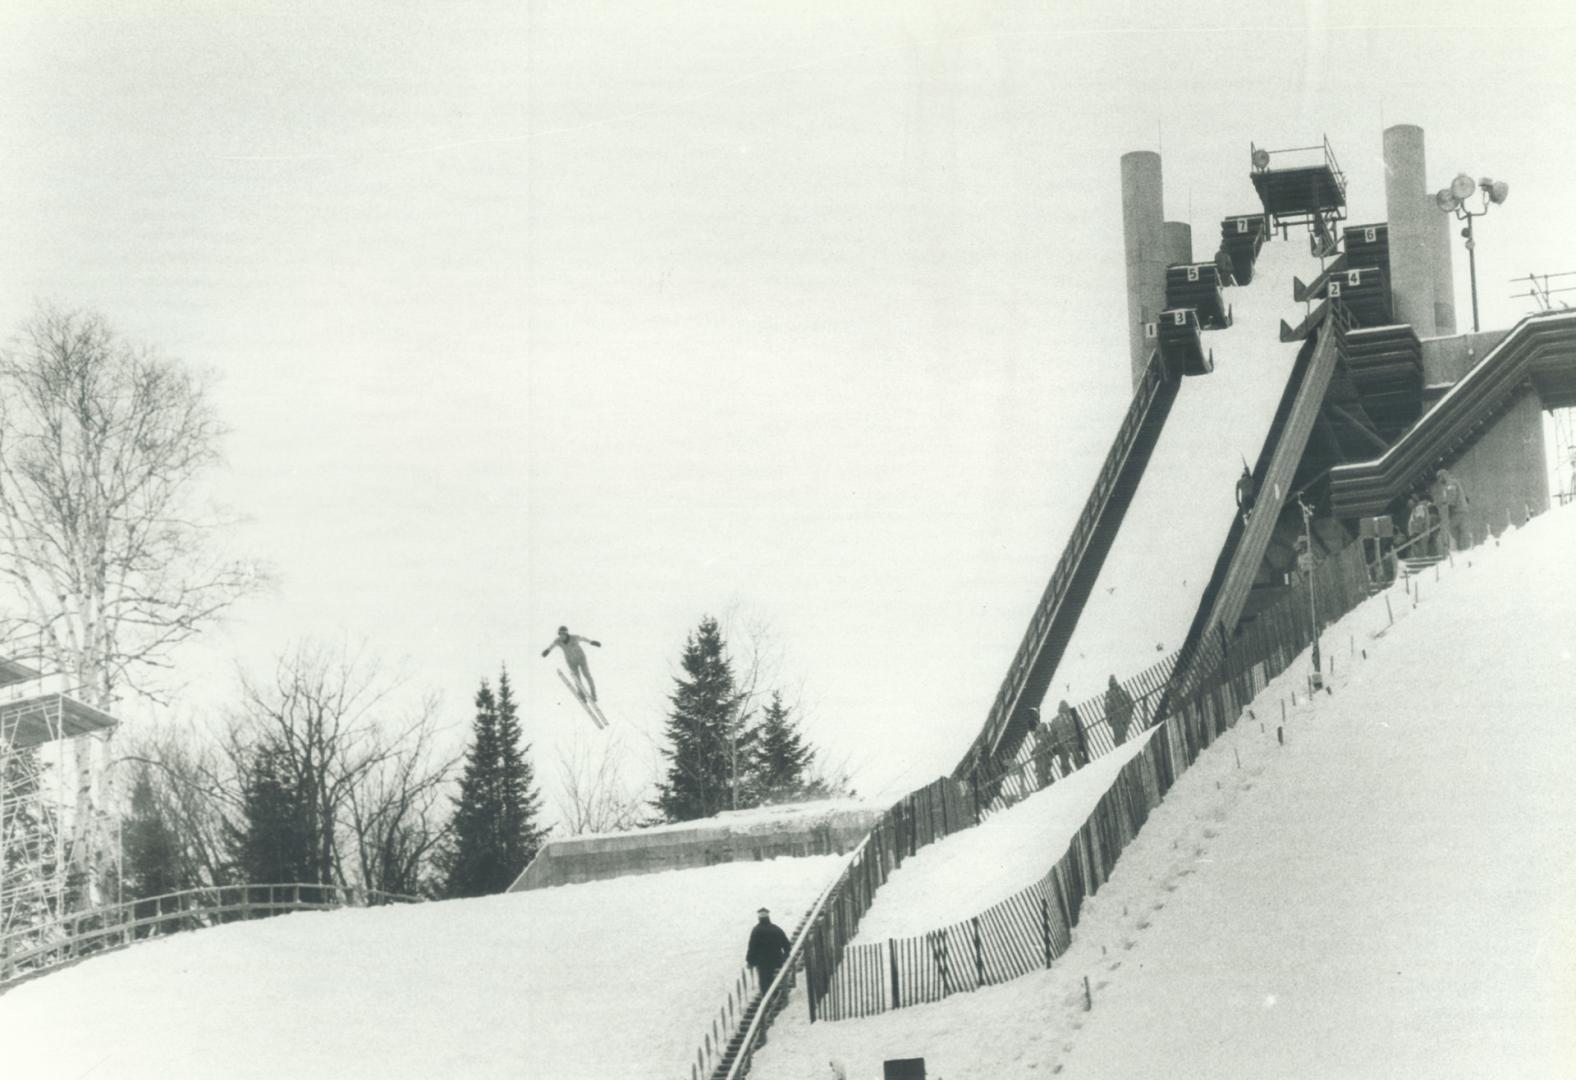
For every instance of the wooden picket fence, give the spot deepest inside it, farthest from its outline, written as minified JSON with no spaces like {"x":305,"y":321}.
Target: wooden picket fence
{"x":1194,"y":695}
{"x":1197,"y":696}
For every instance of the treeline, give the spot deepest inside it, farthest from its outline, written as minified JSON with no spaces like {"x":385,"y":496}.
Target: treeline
{"x":321,"y":778}
{"x":732,"y":744}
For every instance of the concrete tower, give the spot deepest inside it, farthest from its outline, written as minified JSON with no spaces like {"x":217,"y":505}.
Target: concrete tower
{"x":1143,"y":238}
{"x":1179,"y":242}
{"x":1444,"y":273}
{"x":1420,"y":272}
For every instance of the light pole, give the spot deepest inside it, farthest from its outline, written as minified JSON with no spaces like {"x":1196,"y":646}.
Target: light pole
{"x":1453,"y":200}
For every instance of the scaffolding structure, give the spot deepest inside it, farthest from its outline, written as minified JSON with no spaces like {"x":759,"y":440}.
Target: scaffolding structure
{"x":53,"y":856}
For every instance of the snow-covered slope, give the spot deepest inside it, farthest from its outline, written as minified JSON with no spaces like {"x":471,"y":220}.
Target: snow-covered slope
{"x":1391,"y":893}
{"x":923,"y":893}
{"x":604,"y":980}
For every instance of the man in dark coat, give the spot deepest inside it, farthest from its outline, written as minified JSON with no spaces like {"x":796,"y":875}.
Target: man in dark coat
{"x":768,"y":949}
{"x":1118,"y":710}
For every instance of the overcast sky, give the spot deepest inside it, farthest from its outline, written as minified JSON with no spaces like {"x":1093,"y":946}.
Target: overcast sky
{"x":617,"y":314}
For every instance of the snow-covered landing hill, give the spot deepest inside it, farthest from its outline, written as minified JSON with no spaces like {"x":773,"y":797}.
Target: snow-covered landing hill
{"x":604,"y":980}
{"x":1392,"y":893}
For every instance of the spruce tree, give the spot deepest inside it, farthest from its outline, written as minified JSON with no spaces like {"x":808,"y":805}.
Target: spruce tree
{"x":476,"y":824}
{"x":782,"y":760}
{"x":495,"y":827}
{"x":276,"y":843}
{"x":151,"y":854}
{"x":521,"y":804}
{"x":711,"y":743}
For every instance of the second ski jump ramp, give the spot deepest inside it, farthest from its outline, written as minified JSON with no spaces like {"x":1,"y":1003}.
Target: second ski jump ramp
{"x":1149,"y":589}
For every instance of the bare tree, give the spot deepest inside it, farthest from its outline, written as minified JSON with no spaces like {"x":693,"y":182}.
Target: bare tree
{"x":110,"y":556}
{"x":593,"y":796}
{"x":397,"y":814}
{"x":197,"y":794}
{"x":363,"y":764}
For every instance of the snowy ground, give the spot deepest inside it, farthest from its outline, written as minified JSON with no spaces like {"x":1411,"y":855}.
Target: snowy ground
{"x":1391,"y":893}
{"x":922,"y":894}
{"x":604,"y":980}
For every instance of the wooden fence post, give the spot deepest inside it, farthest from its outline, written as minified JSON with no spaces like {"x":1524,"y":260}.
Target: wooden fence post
{"x":979,"y":955}
{"x":1045,"y":927}
{"x":897,"y":1000}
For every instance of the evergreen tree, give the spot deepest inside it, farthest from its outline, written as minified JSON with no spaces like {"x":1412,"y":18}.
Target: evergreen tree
{"x":150,"y":850}
{"x":782,"y":760}
{"x":277,"y":841}
{"x":476,"y":826}
{"x":711,"y":742}
{"x":495,"y":826}
{"x":520,"y":835}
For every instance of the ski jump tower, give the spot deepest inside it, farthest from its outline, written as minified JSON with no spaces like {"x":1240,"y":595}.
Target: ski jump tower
{"x":51,"y":814}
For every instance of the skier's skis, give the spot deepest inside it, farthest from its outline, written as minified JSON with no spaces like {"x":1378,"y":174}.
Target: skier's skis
{"x":593,"y":712}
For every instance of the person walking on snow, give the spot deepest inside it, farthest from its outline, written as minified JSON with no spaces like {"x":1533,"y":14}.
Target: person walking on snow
{"x":1118,"y":710}
{"x":1067,"y":733}
{"x":575,"y":657}
{"x":768,"y":949}
{"x":1042,"y":749}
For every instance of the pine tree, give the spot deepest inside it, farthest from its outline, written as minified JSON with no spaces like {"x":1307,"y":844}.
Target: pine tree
{"x":476,"y":820}
{"x":711,"y":740}
{"x":495,"y":817}
{"x":520,"y":835}
{"x":782,"y":760}
{"x":150,"y":849}
{"x":277,"y":842}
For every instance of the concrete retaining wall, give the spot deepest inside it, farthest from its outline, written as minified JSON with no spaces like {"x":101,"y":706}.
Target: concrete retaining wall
{"x":815,"y":829}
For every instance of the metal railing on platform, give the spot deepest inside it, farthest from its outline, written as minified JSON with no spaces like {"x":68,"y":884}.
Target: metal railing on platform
{"x":29,"y":951}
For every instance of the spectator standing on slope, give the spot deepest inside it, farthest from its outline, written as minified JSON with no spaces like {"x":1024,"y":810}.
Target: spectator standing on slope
{"x":1118,"y":710}
{"x":1067,"y":733}
{"x":1042,"y":749}
{"x":768,"y":948}
{"x":1452,"y":503}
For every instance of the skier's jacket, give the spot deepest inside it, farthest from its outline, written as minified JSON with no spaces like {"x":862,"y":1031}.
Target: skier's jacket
{"x":768,"y":946}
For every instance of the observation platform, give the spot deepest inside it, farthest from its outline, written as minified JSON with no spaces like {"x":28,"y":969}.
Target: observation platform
{"x":1306,"y":186}
{"x":41,"y":718}
{"x":14,"y":671}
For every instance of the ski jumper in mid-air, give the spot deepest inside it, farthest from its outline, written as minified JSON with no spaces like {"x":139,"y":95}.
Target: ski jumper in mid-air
{"x":575,"y":657}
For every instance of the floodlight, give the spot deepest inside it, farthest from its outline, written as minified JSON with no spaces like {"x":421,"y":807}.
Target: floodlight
{"x":1261,"y":158}
{"x":1497,"y":191}
{"x":1462,"y":187}
{"x":1446,"y":199}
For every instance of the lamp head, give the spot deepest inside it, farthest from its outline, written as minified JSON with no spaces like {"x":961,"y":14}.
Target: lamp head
{"x":1261,"y":158}
{"x":1446,"y":200}
{"x":1496,"y":190}
{"x":1462,"y":187}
